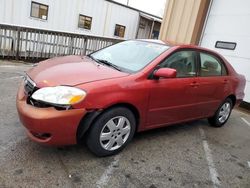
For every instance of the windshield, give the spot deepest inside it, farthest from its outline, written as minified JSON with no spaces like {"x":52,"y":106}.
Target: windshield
{"x":130,"y":55}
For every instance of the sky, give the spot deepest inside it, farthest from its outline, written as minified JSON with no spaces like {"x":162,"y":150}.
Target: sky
{"x":155,"y":7}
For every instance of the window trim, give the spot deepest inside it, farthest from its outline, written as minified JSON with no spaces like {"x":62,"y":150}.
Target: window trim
{"x":124,"y":30}
{"x":86,"y":17}
{"x":221,"y":62}
{"x":169,"y":55}
{"x":35,"y":2}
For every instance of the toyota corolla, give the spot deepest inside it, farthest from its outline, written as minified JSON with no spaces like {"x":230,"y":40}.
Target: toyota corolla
{"x":105,"y":97}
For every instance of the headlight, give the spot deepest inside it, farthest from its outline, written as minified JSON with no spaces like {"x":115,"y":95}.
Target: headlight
{"x":59,"y":95}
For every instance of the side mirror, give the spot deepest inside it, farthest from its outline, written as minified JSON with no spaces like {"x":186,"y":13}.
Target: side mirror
{"x":165,"y":73}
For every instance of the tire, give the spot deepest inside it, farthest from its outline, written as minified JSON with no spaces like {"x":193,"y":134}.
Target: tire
{"x":111,"y":131}
{"x":222,"y":114}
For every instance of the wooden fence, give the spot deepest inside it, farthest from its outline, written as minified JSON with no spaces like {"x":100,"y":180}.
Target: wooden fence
{"x":30,"y":43}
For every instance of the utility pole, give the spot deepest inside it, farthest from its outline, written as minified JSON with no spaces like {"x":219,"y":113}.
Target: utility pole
{"x":127,"y":2}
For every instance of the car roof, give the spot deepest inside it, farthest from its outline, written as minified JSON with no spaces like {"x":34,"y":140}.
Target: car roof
{"x":179,"y":45}
{"x":152,"y":41}
{"x":168,"y":43}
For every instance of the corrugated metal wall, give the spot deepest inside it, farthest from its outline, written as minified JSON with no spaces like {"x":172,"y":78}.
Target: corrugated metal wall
{"x":63,"y":16}
{"x":183,"y":20}
{"x":228,"y":21}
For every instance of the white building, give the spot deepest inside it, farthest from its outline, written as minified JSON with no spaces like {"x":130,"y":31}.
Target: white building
{"x":92,"y":17}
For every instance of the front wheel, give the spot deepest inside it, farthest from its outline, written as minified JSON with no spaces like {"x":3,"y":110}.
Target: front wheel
{"x":111,"y":132}
{"x":222,"y":114}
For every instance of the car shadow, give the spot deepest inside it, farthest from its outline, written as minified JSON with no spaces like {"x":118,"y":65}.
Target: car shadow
{"x":171,"y":130}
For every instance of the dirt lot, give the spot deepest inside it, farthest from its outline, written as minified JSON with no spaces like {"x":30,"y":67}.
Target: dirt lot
{"x":185,"y":155}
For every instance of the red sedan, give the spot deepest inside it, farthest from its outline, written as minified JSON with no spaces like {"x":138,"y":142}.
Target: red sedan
{"x":136,"y":85}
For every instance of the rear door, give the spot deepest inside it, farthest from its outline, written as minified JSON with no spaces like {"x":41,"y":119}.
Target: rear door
{"x":213,"y":83}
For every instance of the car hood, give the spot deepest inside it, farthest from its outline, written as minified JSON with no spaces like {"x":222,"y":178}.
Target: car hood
{"x":71,"y":70}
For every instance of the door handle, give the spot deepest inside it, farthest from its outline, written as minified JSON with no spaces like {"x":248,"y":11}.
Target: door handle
{"x":194,"y":84}
{"x":225,"y":81}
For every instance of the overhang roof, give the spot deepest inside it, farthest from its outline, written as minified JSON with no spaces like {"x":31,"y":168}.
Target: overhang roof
{"x":156,"y":18}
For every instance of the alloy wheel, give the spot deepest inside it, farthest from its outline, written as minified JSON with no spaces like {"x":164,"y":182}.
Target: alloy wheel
{"x":115,"y":133}
{"x":224,"y":112}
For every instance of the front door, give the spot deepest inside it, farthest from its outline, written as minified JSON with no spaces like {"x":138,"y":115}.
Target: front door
{"x":174,"y":100}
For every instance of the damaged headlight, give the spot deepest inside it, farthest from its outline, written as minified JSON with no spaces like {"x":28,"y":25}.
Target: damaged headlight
{"x":59,"y":95}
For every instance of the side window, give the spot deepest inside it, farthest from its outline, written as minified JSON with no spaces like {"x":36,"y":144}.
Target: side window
{"x":39,"y":10}
{"x":119,"y":30}
{"x":84,"y":22}
{"x":184,"y":62}
{"x":211,"y":66}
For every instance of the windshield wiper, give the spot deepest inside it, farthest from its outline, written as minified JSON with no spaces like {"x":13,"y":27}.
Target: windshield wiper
{"x":95,"y":61}
{"x":91,"y":57}
{"x":105,"y":62}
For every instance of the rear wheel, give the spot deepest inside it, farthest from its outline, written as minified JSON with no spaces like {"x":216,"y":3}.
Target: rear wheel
{"x":222,"y":114}
{"x":111,"y":132}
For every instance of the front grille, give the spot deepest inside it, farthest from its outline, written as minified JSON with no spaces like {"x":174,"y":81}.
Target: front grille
{"x":29,"y":86}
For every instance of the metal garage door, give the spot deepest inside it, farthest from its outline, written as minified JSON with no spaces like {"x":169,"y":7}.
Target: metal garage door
{"x":229,"y":21}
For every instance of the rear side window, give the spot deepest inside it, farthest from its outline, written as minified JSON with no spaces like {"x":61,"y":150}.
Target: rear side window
{"x":184,"y":62}
{"x":211,"y":66}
